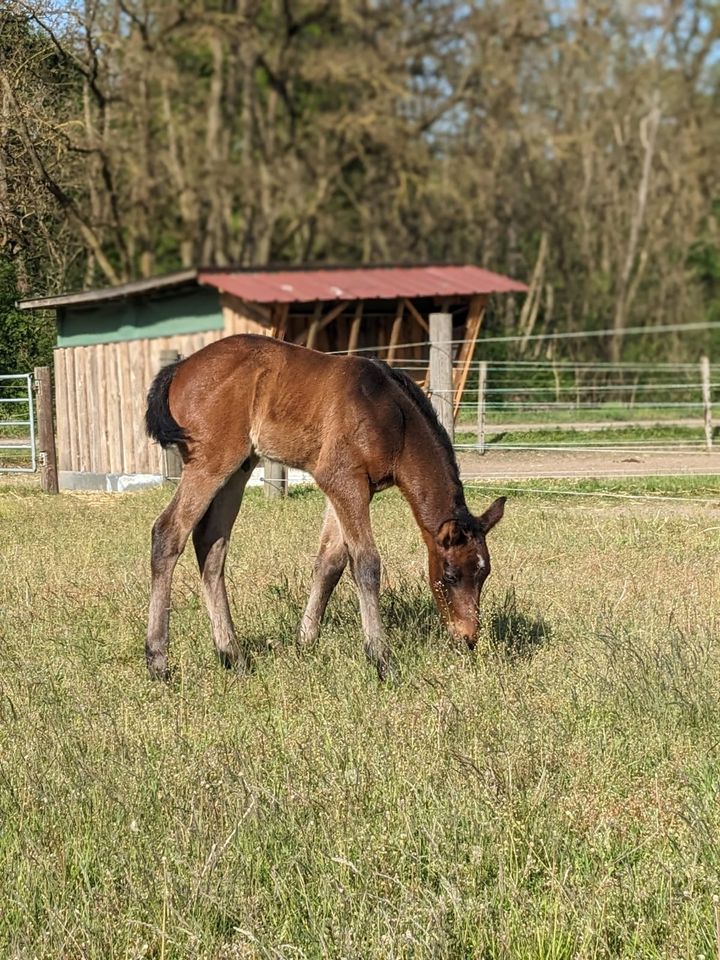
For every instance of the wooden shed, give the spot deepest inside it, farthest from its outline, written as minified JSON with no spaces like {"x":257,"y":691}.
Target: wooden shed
{"x":111,"y":342}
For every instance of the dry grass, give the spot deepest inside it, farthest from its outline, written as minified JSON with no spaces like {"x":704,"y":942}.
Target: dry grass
{"x":555,"y":795}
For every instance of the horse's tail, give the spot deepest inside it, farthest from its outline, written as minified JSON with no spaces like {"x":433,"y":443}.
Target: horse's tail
{"x":159,"y":422}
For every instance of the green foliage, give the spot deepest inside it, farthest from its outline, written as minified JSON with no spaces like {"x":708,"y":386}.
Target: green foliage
{"x":26,"y":339}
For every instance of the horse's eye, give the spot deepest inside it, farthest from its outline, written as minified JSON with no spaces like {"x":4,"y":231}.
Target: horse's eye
{"x":451,"y":577}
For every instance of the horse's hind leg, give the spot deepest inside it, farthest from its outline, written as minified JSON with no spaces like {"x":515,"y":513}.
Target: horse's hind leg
{"x":330,"y":562}
{"x":210,"y":538}
{"x":169,"y":536}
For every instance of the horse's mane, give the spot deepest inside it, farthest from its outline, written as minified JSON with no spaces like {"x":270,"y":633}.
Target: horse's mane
{"x":420,"y":399}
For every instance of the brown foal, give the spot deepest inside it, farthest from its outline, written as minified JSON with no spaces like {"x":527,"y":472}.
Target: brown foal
{"x":357,"y":426}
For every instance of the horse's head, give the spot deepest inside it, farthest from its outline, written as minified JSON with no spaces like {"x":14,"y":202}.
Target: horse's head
{"x":459,"y":566}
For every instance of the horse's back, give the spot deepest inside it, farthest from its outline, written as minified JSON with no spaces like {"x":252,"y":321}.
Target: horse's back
{"x":302,"y":407}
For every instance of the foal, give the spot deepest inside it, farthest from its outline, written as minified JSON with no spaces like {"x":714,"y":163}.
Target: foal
{"x":358,"y":426}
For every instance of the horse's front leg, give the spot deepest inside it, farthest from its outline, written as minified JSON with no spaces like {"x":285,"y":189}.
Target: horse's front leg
{"x":350,"y":498}
{"x":329,"y":565}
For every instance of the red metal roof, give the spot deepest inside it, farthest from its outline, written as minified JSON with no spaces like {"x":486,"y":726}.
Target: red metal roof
{"x":362,"y":283}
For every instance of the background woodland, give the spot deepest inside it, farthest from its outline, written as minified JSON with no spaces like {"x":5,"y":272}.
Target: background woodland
{"x":571,"y":144}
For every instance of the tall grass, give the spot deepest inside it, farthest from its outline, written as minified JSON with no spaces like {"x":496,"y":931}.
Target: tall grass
{"x":554,"y":795}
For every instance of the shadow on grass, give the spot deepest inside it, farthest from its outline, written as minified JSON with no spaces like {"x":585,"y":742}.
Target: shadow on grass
{"x":514,"y":634}
{"x":408,"y":612}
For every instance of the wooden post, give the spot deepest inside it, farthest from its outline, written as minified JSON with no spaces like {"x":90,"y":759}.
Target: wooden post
{"x":577,"y":388}
{"x":473,"y":323}
{"x":314,"y":325}
{"x":482,"y":383}
{"x":46,"y":432}
{"x":354,"y":337}
{"x":441,"y":370}
{"x":171,"y":455}
{"x":395,"y":333}
{"x":280,"y":313}
{"x":707,"y":401}
{"x":276,"y":479}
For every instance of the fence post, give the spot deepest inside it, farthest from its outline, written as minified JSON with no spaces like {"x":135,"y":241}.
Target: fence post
{"x":46,"y":432}
{"x":441,"y":371}
{"x":707,"y":404}
{"x":482,"y":383}
{"x":171,"y":455}
{"x":276,"y":479}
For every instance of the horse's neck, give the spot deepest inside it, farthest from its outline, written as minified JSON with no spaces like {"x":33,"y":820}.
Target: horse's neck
{"x":426,"y":478}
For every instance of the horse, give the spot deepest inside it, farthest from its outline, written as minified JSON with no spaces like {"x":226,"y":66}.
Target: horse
{"x":357,"y":426}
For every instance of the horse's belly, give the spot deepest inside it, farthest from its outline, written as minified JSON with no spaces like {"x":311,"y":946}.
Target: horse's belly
{"x":294,"y":450}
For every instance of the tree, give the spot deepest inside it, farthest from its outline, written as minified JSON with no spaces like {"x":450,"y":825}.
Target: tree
{"x":569,"y":142}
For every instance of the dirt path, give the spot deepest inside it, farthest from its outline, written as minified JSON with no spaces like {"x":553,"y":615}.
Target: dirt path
{"x":523,"y":464}
{"x":520,"y":464}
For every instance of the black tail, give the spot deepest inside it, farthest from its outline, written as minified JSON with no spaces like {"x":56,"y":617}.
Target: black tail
{"x":159,"y":422}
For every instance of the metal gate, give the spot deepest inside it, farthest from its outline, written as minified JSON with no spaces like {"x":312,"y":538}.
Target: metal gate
{"x":17,"y":424}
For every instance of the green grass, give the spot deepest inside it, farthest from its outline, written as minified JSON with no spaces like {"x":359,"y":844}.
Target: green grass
{"x":554,"y":795}
{"x":641,"y":490}
{"x":601,"y":412}
{"x":625,"y":435}
{"x":11,"y":458}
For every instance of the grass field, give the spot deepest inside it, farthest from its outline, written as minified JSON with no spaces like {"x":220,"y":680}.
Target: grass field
{"x":555,"y":795}
{"x":656,"y":436}
{"x":554,"y":413}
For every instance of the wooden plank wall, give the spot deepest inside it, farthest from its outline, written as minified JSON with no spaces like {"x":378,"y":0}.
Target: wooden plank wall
{"x":101,"y":389}
{"x":100,"y":393}
{"x":241,"y":317}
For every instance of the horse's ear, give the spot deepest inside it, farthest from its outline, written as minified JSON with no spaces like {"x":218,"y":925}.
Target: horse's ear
{"x":451,"y":534}
{"x":492,"y":515}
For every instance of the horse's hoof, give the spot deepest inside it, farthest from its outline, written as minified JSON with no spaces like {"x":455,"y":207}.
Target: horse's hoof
{"x":158,"y":671}
{"x":234,"y":662}
{"x":389,"y":674}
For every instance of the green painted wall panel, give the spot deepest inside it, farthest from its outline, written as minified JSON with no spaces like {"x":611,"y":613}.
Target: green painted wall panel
{"x":190,"y":312}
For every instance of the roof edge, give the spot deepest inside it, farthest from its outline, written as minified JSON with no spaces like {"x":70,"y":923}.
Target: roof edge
{"x":110,"y":293}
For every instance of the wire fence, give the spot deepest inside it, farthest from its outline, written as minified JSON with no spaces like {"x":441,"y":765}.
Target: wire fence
{"x":592,"y":408}
{"x":583,"y":410}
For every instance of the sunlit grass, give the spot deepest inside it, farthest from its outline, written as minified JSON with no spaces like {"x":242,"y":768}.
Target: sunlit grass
{"x":656,"y":436}
{"x":554,"y":795}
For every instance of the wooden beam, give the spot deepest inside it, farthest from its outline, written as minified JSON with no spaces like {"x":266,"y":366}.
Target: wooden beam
{"x":416,"y":314}
{"x":321,"y":324}
{"x":476,"y":311}
{"x":354,"y":337}
{"x":395,"y":332}
{"x":245,"y":308}
{"x":312,"y":330}
{"x":280,"y":314}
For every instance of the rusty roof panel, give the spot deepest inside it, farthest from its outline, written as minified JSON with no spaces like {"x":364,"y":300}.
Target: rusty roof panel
{"x":363,"y":283}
